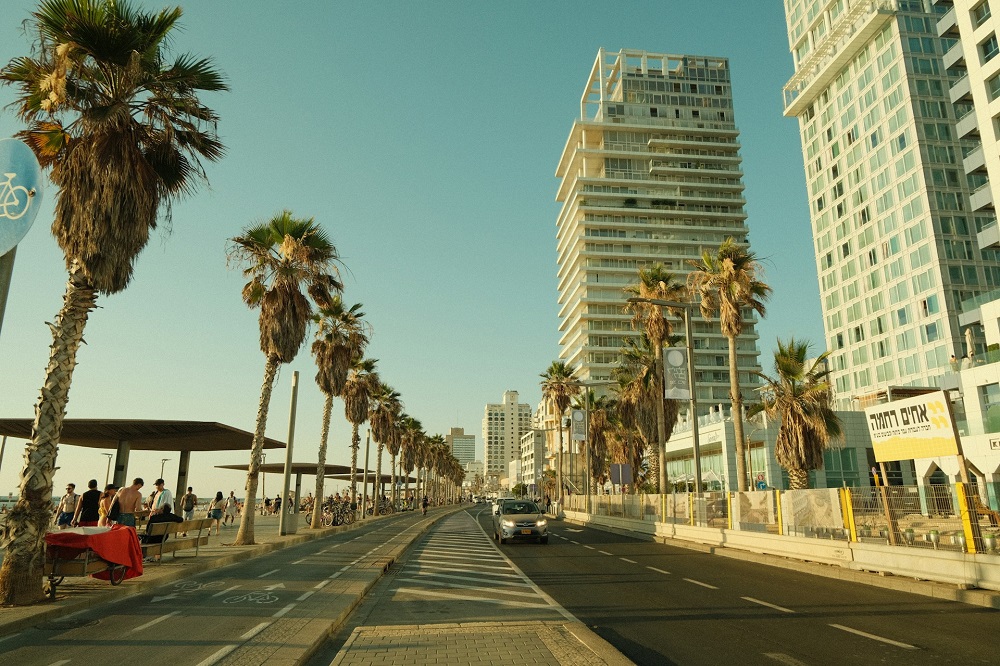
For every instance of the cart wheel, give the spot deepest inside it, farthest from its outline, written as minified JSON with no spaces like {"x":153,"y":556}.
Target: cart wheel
{"x":50,"y":589}
{"x":117,"y":574}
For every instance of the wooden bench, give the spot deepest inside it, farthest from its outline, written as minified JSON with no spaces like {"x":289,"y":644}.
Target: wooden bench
{"x":197,"y":531}
{"x":983,"y":511}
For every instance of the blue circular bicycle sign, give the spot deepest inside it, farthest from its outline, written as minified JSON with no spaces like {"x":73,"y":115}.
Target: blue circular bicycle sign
{"x":20,"y":192}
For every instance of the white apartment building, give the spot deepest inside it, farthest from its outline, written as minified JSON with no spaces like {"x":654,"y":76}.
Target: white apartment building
{"x":650,"y":174}
{"x":895,"y":234}
{"x":461,"y":445}
{"x":503,"y":425}
{"x":532,"y":459}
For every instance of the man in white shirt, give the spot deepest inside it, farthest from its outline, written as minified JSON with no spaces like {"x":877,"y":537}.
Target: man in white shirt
{"x":161,"y":498}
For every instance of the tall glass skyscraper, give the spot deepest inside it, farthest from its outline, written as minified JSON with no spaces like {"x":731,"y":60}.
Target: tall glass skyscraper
{"x":889,"y":199}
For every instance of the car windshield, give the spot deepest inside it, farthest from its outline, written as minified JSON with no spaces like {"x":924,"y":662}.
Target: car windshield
{"x":520,"y":507}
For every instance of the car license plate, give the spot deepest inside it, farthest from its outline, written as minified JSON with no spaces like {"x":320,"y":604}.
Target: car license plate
{"x":525,"y":531}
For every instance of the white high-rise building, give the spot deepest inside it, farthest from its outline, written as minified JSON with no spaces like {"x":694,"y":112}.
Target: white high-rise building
{"x":895,"y":233}
{"x":461,"y":445}
{"x":503,"y":425}
{"x":650,"y":174}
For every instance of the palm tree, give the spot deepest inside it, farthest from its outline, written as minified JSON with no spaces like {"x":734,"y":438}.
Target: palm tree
{"x":413,"y":433}
{"x":394,"y":446}
{"x":341,"y":334}
{"x":121,"y":129}
{"x":384,"y":409}
{"x":432,"y":454}
{"x":657,"y":283}
{"x":281,"y":257}
{"x":727,"y":282}
{"x":799,"y":396}
{"x":362,"y":380}
{"x":559,"y":385}
{"x":602,"y":415}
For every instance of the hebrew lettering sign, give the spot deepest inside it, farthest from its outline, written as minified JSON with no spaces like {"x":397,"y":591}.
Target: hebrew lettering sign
{"x":918,"y":427}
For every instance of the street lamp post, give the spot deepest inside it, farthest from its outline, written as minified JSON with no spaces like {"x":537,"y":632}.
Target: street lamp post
{"x":107,"y":474}
{"x":163,"y":461}
{"x":693,"y":404}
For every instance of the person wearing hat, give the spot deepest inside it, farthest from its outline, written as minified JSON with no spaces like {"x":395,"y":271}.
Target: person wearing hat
{"x":161,"y":498}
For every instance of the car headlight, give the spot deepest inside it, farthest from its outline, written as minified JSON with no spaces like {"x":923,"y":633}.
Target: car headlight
{"x":542,"y":523}
{"x":507,"y":523}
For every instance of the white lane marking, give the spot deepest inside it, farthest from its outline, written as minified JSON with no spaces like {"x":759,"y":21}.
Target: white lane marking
{"x":320,"y":584}
{"x":59,"y":663}
{"x":625,"y":559}
{"x":588,"y":547}
{"x":574,"y":541}
{"x":156,"y":621}
{"x":217,"y":655}
{"x":336,"y":575}
{"x":256,"y":630}
{"x":464,"y":597}
{"x":784,"y":659}
{"x":284,"y":610}
{"x":265,"y":575}
{"x":464,"y":550}
{"x":7,"y":638}
{"x":905,"y":646}
{"x":464,"y":564}
{"x":570,"y":529}
{"x":698,"y":582}
{"x":452,"y":555}
{"x":420,"y":566}
{"x":658,"y":570}
{"x":764,"y":603}
{"x":604,"y":552}
{"x":472,"y":578}
{"x":306,"y":595}
{"x":560,"y":537}
{"x":299,"y":561}
{"x":228,"y":589}
{"x":444,"y":583}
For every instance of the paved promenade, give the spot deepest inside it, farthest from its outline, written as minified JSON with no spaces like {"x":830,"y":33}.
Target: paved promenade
{"x":31,"y":634}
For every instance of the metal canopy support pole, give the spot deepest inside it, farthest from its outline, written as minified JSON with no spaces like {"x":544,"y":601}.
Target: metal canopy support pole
{"x":587,"y":478}
{"x":121,"y":463}
{"x":182,"y":480}
{"x":364,"y":498}
{"x":283,"y":527}
{"x":298,"y":494}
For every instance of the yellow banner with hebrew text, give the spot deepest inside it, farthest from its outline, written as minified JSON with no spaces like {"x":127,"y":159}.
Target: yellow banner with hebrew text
{"x":918,"y":427}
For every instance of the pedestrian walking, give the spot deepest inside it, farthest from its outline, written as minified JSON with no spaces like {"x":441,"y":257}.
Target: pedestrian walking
{"x":161,"y":498}
{"x":232,"y":506}
{"x":67,"y":507}
{"x":215,"y":510}
{"x":88,"y":508}
{"x":127,"y":502}
{"x":188,"y":502}
{"x":107,"y":497}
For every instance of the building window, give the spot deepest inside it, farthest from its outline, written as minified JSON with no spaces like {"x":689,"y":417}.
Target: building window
{"x":993,"y":87}
{"x":989,"y":48}
{"x":980,"y":13}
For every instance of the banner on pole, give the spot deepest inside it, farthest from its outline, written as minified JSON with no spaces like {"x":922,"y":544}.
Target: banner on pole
{"x":578,"y":425}
{"x":675,"y":374}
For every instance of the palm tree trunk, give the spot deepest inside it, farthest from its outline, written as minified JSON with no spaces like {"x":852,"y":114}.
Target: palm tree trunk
{"x":736,"y":397}
{"x":317,"y":517}
{"x":245,"y":535}
{"x":377,"y":492}
{"x":355,"y":445}
{"x":21,"y":573}
{"x":798,"y":479}
{"x":406,"y":481}
{"x":661,"y":420}
{"x":394,"y":498}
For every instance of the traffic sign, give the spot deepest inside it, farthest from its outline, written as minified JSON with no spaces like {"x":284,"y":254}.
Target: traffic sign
{"x":762,"y":485}
{"x":20,"y":192}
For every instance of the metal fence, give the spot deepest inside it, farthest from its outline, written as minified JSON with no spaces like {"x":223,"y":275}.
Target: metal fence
{"x":947,"y":517}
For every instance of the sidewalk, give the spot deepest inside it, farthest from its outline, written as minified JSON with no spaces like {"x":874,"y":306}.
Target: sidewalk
{"x":288,"y":642}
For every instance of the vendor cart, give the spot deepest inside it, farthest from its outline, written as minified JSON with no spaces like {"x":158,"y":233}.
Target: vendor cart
{"x":112,"y":554}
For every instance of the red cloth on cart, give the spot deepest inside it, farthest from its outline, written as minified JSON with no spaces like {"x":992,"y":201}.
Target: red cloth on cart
{"x":119,"y":545}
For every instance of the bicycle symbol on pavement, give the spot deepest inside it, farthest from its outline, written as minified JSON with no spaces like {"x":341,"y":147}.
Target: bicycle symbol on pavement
{"x":14,"y":199}
{"x":252,"y":598}
{"x":194,"y":586}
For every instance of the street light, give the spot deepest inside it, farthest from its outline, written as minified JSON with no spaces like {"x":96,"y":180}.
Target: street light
{"x":107,"y":474}
{"x":693,"y":405}
{"x":163,"y":461}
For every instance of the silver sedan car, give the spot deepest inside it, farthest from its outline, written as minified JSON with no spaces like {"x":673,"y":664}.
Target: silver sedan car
{"x":519,"y":519}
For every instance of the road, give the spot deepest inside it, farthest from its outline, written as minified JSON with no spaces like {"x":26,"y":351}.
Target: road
{"x":660,"y":604}
{"x":249,"y":612}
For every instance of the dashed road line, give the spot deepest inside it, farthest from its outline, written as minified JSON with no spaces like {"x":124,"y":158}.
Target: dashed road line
{"x":698,"y":582}
{"x":589,"y":547}
{"x":156,"y":621}
{"x":604,"y":552}
{"x":228,"y":589}
{"x":306,"y":595}
{"x":889,"y":641}
{"x":265,"y":575}
{"x":320,"y":585}
{"x":284,"y":610}
{"x":764,"y":603}
{"x":256,"y":630}
{"x":625,"y":559}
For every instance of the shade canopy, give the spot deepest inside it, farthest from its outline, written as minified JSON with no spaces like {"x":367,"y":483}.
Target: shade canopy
{"x":297,"y":468}
{"x":145,"y":434}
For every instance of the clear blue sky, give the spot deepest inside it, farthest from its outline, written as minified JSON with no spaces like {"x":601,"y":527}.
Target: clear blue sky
{"x":424,"y":136}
